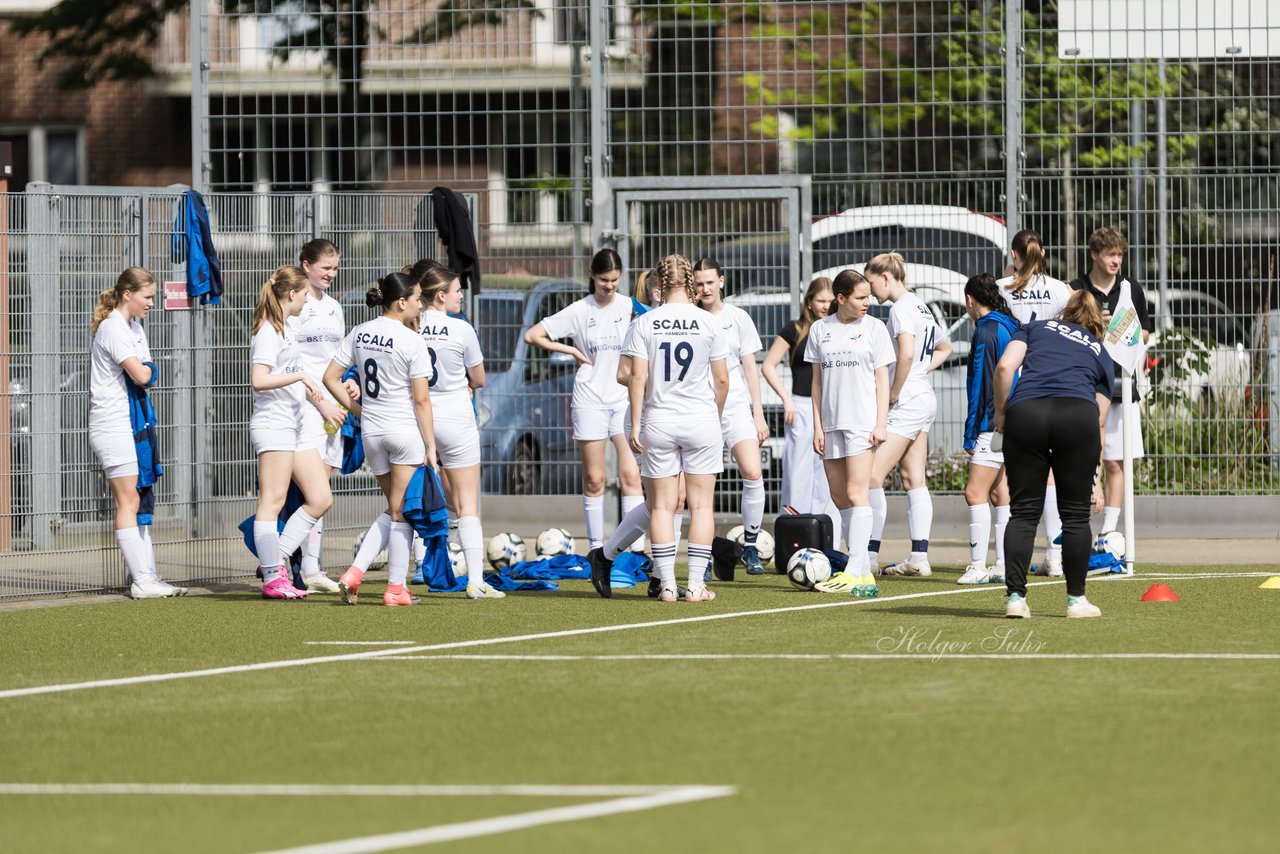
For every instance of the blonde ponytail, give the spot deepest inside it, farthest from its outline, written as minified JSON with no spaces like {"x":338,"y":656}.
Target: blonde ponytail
{"x":888,"y":262}
{"x":1027,"y":244}
{"x":675,"y":271}
{"x":284,"y":282}
{"x":132,"y":279}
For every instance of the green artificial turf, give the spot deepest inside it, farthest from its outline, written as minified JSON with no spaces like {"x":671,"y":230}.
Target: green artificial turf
{"x":935,"y":752}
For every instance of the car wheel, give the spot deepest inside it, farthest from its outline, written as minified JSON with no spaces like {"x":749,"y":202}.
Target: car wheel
{"x":524,"y":471}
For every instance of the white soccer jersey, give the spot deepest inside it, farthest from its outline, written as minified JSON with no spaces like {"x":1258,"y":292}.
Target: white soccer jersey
{"x":387,"y":355}
{"x":318,"y":329}
{"x":599,"y":332}
{"x":452,"y":347}
{"x":911,"y":316}
{"x":849,"y":354}
{"x":113,"y":343}
{"x":1043,"y":298}
{"x":280,"y":354}
{"x":741,"y":339}
{"x":679,"y":341}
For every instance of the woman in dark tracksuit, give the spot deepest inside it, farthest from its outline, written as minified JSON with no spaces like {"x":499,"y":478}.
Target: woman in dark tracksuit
{"x":1054,"y":421}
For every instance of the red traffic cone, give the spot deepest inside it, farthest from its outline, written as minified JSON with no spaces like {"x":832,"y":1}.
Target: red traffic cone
{"x":1159,"y":593}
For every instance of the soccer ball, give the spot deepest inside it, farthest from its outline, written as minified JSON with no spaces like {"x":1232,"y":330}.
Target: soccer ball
{"x":555,"y":541}
{"x":764,"y":542}
{"x":1111,"y":543}
{"x":379,"y":562}
{"x":457,"y":561}
{"x":505,"y":549}
{"x":808,"y":567}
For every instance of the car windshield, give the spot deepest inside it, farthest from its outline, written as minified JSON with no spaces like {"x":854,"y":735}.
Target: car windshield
{"x":498,"y":327}
{"x":769,"y":318}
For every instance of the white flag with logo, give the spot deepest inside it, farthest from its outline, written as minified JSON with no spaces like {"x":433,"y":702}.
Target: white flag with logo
{"x":1123,"y":338}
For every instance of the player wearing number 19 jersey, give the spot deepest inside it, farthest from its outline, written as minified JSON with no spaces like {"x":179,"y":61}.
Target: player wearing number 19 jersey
{"x":678,"y":384}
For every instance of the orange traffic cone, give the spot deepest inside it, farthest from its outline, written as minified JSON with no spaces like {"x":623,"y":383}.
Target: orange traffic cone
{"x":1159,"y":593}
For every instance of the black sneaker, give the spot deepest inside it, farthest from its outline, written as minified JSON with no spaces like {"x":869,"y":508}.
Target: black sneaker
{"x":655,"y":588}
{"x":601,"y":566}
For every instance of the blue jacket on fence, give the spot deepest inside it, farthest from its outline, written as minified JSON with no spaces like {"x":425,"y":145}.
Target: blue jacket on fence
{"x":142,"y":420}
{"x":193,"y":242}
{"x":991,"y":334}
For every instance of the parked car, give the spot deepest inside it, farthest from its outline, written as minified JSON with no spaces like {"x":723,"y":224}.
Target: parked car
{"x":939,"y":236}
{"x":526,"y":430}
{"x":942,"y":291}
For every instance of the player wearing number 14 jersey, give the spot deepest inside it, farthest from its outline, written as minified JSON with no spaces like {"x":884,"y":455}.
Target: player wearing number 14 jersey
{"x":921,"y":346}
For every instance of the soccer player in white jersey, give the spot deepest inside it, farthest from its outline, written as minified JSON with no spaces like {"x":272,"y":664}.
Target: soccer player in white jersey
{"x":318,"y":329}
{"x":678,"y":384}
{"x":120,"y":350}
{"x":457,"y":370}
{"x":277,"y":427}
{"x":395,"y":415}
{"x":851,"y":353}
{"x":1032,"y":294}
{"x":742,"y":423}
{"x":597,"y":325}
{"x":921,"y":346}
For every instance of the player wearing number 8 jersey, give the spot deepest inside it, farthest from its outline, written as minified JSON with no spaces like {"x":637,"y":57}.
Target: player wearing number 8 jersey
{"x":395,"y":413}
{"x":677,"y":356}
{"x":850,"y":352}
{"x":921,"y":346}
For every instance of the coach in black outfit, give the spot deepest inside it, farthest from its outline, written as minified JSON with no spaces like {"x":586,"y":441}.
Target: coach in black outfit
{"x":1053,"y":421}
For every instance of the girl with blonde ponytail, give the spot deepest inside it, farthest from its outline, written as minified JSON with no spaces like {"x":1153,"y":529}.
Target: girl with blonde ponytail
{"x":678,"y":354}
{"x":121,"y":357}
{"x":278,"y":431}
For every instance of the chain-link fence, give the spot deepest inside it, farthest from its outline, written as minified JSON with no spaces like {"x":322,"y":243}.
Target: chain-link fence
{"x":933,"y":128}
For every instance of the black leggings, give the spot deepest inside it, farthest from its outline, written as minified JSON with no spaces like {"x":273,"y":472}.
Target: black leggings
{"x":1043,"y":434}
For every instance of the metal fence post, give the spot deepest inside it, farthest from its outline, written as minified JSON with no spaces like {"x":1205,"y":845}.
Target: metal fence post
{"x":601,"y":192}
{"x":46,"y":441}
{"x":201,"y":167}
{"x":1013,"y":113}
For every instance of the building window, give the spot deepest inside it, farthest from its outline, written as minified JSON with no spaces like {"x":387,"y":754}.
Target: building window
{"x":531,"y":169}
{"x":44,"y":153}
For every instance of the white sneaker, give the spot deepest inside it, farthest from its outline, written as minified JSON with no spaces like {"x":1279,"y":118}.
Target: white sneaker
{"x":152,"y":588}
{"x":911,"y":566}
{"x":1016,"y":607}
{"x":975,"y":573}
{"x":320,"y":583}
{"x":1079,"y":607}
{"x":484,"y":590}
{"x":178,"y":591}
{"x":997,"y":572}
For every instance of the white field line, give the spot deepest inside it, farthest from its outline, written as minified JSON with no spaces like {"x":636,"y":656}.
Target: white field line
{"x":381,"y":653}
{"x":320,"y":790}
{"x":518,"y":821}
{"x":360,"y":643}
{"x":869,"y":656}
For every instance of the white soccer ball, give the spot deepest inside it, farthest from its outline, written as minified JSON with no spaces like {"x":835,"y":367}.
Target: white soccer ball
{"x":1111,"y":543}
{"x":505,"y":549}
{"x":555,"y":541}
{"x":764,"y":542}
{"x":808,"y":567}
{"x":457,"y":560}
